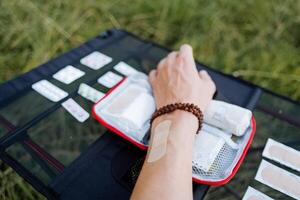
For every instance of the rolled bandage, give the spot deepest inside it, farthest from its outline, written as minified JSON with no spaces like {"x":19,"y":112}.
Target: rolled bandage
{"x":228,"y":117}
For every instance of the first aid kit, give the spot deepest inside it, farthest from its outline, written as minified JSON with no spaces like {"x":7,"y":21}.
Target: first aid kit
{"x":219,"y":147}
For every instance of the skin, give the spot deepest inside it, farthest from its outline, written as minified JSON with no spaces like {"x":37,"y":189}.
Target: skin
{"x":176,"y":79}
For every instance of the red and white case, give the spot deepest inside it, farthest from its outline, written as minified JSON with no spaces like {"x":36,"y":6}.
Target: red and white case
{"x":227,"y":161}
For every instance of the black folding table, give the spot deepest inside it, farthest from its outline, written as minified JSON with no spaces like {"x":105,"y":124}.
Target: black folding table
{"x":65,"y":159}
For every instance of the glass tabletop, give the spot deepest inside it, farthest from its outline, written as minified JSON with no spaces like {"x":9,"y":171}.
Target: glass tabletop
{"x":49,"y":139}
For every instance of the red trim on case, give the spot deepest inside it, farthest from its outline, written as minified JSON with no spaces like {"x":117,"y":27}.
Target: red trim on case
{"x":110,"y":127}
{"x":118,"y":132}
{"x":144,"y":147}
{"x":235,"y":169}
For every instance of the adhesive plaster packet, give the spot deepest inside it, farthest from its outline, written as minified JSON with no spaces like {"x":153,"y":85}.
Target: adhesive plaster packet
{"x":282,"y":154}
{"x":228,"y":117}
{"x":253,"y":194}
{"x":125,"y":69}
{"x":158,"y":148}
{"x":109,"y":79}
{"x":90,"y":93}
{"x":75,"y":110}
{"x":68,"y":74}
{"x":206,"y":149}
{"x":95,"y":60}
{"x":48,"y":90}
{"x":279,"y":179}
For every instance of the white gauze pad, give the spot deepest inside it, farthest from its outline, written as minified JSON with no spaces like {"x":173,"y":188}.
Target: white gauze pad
{"x":253,"y":194}
{"x":206,"y":149}
{"x":283,"y":154}
{"x":158,"y":147}
{"x":228,"y":117}
{"x":134,"y":106}
{"x":279,"y":179}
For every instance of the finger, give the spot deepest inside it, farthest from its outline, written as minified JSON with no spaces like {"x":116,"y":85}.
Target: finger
{"x":152,"y":76}
{"x":186,"y":51}
{"x":172,"y":56}
{"x":204,"y":75}
{"x":161,"y":63}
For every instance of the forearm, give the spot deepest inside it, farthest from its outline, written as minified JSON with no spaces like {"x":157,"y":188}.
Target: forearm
{"x":170,"y":176}
{"x":167,"y":172}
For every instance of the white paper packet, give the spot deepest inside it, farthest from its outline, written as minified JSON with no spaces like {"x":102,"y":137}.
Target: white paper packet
{"x":279,"y":179}
{"x":68,"y":74}
{"x":49,"y":90}
{"x":282,"y":154}
{"x":90,"y":93}
{"x":253,"y":194}
{"x":125,"y":69}
{"x":95,"y":60}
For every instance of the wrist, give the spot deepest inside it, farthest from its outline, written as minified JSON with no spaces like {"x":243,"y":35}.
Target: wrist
{"x":186,"y":119}
{"x":179,"y":118}
{"x":183,"y":113}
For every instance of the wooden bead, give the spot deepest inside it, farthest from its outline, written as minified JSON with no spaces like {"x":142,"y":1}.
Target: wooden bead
{"x":188,"y":107}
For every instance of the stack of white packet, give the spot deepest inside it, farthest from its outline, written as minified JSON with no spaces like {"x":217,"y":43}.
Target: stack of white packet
{"x":228,"y":117}
{"x":133,"y":108}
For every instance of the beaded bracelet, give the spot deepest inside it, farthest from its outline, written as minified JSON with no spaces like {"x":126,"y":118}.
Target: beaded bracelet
{"x":189,"y":107}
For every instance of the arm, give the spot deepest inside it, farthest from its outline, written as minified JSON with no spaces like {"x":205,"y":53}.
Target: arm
{"x":167,"y":171}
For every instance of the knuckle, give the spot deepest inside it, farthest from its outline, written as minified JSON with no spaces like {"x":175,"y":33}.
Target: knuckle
{"x":180,"y":58}
{"x":213,"y":86}
{"x":170,"y":55}
{"x":161,"y":64}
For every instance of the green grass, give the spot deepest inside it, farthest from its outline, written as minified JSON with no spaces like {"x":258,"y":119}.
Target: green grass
{"x":256,"y":40}
{"x":13,"y":187}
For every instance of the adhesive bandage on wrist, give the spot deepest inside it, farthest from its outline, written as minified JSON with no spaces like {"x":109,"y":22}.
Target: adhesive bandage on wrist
{"x":158,"y":146}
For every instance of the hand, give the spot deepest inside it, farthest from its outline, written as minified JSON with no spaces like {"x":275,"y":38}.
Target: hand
{"x":176,"y":79}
